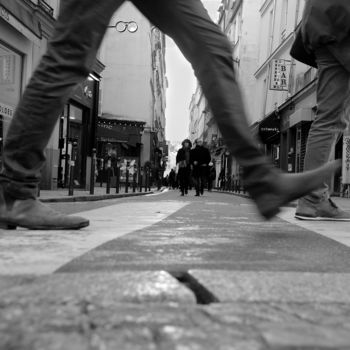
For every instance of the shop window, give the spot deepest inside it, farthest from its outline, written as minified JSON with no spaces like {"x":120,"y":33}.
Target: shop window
{"x":10,"y":85}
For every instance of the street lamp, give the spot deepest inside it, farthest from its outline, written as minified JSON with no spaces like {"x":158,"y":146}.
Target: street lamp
{"x":122,"y":26}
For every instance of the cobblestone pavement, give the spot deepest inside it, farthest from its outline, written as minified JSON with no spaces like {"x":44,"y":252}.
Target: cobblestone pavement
{"x":192,"y":273}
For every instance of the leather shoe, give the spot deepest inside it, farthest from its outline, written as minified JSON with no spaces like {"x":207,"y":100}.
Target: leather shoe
{"x":32,"y":214}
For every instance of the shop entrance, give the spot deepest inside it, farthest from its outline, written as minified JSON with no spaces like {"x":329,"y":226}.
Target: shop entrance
{"x":73,"y":131}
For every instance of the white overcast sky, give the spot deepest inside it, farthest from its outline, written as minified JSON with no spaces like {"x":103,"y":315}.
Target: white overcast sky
{"x":182,"y":85}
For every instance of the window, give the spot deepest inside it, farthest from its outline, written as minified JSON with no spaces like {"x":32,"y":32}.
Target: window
{"x":284,"y":19}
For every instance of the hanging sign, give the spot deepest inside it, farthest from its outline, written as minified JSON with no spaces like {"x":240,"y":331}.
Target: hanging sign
{"x":346,"y":159}
{"x":280,"y":70}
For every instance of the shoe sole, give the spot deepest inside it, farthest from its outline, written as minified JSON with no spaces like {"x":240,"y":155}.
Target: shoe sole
{"x":318,"y":218}
{"x":11,"y":226}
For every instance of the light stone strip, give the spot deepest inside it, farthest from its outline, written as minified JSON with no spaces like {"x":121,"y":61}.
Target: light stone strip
{"x":42,"y":252}
{"x":336,"y":230}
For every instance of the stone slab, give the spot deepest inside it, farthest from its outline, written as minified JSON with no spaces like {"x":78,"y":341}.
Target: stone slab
{"x":229,"y":286}
{"x":101,"y":288}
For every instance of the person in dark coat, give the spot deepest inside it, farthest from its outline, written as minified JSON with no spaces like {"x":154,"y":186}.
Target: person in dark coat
{"x":172,"y":179}
{"x":200,"y":159}
{"x":183,"y":159}
{"x":323,"y":41}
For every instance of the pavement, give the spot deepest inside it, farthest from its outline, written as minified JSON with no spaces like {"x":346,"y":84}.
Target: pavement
{"x":167,"y":272}
{"x":80,"y":195}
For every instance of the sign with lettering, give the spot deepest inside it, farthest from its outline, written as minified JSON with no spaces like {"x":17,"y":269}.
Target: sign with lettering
{"x":6,"y":111}
{"x":346,"y":160}
{"x":280,"y":70}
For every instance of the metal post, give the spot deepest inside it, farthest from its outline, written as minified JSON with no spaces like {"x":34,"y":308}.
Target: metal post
{"x":71,"y":168}
{"x":108,"y":185}
{"x":127,"y":177}
{"x":101,"y":172}
{"x":141,"y":178}
{"x":117,"y":183}
{"x":146,"y":178}
{"x":134,"y":179}
{"x":92,"y":172}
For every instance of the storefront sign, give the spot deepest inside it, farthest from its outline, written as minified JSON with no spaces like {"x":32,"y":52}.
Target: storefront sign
{"x":280,"y":75}
{"x":346,"y":160}
{"x":6,"y":110}
{"x":269,"y":129}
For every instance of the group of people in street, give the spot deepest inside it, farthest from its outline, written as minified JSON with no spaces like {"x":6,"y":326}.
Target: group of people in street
{"x":324,"y":42}
{"x":194,"y":167}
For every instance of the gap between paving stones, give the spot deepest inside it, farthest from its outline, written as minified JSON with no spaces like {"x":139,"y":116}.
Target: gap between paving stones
{"x":203,"y":295}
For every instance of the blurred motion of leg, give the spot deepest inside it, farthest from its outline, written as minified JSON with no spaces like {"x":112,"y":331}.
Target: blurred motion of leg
{"x":69,"y":59}
{"x":208,"y":50}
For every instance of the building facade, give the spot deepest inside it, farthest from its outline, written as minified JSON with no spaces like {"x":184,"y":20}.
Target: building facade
{"x":25,"y":28}
{"x":285,"y":89}
{"x":133,"y":87}
{"x":237,"y":19}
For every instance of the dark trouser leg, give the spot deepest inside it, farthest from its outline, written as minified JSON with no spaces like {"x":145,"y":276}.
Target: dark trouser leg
{"x":68,"y":60}
{"x":181,"y":177}
{"x":330,"y":121}
{"x":209,"y":52}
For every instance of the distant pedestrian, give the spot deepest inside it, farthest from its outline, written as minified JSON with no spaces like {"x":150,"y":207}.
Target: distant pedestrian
{"x":183,"y":159}
{"x":200,"y":159}
{"x":172,"y":179}
{"x":221,"y":179}
{"x":211,"y":174}
{"x":323,"y":41}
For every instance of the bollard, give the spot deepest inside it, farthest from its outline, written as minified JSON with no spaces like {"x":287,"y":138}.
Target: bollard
{"x":92,"y":172}
{"x":140,"y":178}
{"x":101,"y":172}
{"x":146,"y":179}
{"x":117,"y":182}
{"x":134,"y":180}
{"x":108,"y":185}
{"x":127,"y":177}
{"x":71,"y":168}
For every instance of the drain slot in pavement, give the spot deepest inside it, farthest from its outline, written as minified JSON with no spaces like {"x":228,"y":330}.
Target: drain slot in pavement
{"x":203,"y":295}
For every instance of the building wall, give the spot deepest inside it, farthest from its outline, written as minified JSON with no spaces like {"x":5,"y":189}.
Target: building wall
{"x":134,"y":83}
{"x":28,"y":49}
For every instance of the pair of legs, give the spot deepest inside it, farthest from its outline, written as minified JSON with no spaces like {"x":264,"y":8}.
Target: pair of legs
{"x":184,"y":179}
{"x":331,"y":120}
{"x":199,"y":175}
{"x":69,"y":58}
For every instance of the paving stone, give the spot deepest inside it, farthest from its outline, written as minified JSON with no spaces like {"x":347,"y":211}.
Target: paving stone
{"x":104,"y":288}
{"x":229,"y":286}
{"x":46,"y":341}
{"x":297,"y":336}
{"x":7,"y":282}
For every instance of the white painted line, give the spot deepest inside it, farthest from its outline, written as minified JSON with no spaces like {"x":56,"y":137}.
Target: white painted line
{"x":336,"y":230}
{"x":41,"y":252}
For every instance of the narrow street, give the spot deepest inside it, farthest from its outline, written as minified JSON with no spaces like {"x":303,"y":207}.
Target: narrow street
{"x":168,"y":272}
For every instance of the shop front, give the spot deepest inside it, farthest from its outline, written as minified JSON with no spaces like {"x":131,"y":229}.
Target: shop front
{"x":118,"y":145}
{"x":77,"y":134}
{"x":269,"y":132}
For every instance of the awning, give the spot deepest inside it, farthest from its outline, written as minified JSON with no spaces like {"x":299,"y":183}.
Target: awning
{"x":23,"y":14}
{"x":270,"y":128}
{"x":129,"y":135}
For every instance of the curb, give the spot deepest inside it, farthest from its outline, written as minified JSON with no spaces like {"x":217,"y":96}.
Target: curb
{"x":92,"y":198}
